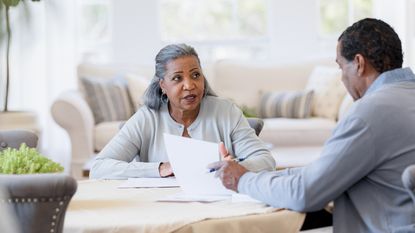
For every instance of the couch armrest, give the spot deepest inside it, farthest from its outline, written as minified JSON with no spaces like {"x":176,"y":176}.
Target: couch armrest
{"x":71,"y":112}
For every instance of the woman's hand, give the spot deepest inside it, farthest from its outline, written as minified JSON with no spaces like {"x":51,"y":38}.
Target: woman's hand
{"x":165,"y":170}
{"x":224,"y":152}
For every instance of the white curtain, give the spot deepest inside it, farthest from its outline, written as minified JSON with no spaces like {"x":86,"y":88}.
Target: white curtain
{"x":43,"y":65}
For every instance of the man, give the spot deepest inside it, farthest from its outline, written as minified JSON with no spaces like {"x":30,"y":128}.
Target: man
{"x":361,"y":164}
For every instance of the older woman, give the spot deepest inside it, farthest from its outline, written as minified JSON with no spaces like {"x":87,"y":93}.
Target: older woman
{"x":179,"y":101}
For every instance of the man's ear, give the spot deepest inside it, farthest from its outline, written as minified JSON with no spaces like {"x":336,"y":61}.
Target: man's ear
{"x":360,"y":62}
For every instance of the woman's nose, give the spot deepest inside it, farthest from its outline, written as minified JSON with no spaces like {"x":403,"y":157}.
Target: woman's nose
{"x":188,"y":84}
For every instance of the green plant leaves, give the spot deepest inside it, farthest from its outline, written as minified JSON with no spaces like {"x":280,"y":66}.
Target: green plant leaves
{"x":10,"y":2}
{"x":26,"y":160}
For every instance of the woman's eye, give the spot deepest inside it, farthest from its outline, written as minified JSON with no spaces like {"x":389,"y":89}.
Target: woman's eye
{"x":176,"y":78}
{"x":196,"y":75}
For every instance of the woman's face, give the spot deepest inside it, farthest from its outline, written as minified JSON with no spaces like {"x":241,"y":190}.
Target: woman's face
{"x":184,"y":84}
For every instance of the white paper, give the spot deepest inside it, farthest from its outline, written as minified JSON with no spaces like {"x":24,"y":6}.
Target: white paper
{"x":189,"y":159}
{"x":149,"y":183}
{"x":237,"y":197}
{"x":184,"y":197}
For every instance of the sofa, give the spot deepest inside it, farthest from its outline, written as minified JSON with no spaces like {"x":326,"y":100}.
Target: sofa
{"x":245,"y":83}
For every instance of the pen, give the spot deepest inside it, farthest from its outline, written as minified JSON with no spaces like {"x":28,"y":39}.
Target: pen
{"x":234,"y":159}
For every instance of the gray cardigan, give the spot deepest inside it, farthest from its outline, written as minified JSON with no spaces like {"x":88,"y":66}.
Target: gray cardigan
{"x":138,"y":148}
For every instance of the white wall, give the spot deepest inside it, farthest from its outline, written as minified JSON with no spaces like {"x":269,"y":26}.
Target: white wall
{"x":135,"y":33}
{"x":294,"y":32}
{"x":396,"y":14}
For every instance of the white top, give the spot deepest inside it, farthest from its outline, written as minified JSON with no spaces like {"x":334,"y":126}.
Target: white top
{"x":138,"y":148}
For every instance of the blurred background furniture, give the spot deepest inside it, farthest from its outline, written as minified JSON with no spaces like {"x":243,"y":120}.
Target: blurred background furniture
{"x":39,"y":201}
{"x":256,"y":123}
{"x":13,"y":138}
{"x":408,"y":179}
{"x":245,"y":83}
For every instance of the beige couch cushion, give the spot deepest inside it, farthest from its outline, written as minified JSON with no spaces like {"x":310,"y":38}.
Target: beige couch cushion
{"x":108,"y":99}
{"x":289,"y":104}
{"x":137,"y":85}
{"x":328,"y":89}
{"x":246,"y":82}
{"x":103,"y":133}
{"x":294,"y":132}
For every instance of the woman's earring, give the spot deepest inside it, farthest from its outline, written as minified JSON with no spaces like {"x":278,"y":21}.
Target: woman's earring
{"x":163,"y":96}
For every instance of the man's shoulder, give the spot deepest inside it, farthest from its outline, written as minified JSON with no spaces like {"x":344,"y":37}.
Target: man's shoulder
{"x":387,"y":101}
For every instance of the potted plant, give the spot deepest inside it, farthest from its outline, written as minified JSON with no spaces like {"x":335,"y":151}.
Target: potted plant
{"x":26,"y":160}
{"x":12,"y":119}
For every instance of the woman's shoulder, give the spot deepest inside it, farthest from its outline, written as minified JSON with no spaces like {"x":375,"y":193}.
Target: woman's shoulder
{"x":146,"y":112}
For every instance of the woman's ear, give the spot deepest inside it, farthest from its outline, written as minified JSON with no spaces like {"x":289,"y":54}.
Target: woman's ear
{"x":161,"y":84}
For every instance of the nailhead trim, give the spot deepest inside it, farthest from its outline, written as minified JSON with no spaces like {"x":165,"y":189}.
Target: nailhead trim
{"x":42,"y":199}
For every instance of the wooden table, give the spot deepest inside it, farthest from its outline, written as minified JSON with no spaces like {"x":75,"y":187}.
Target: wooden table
{"x":99,"y":206}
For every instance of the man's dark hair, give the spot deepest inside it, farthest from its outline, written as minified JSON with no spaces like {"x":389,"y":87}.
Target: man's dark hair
{"x":376,"y":41}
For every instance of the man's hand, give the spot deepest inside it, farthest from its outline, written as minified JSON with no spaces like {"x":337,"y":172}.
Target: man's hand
{"x":165,"y":170}
{"x":229,"y":172}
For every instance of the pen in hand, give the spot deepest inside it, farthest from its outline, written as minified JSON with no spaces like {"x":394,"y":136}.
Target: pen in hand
{"x":234,"y":159}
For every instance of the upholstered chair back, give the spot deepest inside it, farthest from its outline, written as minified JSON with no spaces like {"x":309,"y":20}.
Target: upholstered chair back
{"x":38,"y":201}
{"x":408,"y":179}
{"x":13,"y":138}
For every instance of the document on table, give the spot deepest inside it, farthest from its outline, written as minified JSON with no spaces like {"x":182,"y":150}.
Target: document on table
{"x":149,"y":183}
{"x":189,"y":159}
{"x":183,"y":197}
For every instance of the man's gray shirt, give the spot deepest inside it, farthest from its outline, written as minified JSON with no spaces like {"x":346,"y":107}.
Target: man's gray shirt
{"x":360,"y":166}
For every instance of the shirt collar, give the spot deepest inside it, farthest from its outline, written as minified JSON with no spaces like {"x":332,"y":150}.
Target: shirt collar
{"x":392,"y":76}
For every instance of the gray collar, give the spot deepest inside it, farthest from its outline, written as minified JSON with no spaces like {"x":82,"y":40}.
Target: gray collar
{"x":392,"y":76}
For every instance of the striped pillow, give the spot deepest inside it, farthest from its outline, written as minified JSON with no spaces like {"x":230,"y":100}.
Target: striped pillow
{"x":288,"y":104}
{"x":108,"y":99}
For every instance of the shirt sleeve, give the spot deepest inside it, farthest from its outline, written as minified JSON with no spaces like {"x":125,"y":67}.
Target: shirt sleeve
{"x":248,"y":146}
{"x":120,"y":158}
{"x":346,"y":158}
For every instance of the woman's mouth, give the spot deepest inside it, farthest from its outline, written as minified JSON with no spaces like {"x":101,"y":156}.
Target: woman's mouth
{"x":190,"y":98}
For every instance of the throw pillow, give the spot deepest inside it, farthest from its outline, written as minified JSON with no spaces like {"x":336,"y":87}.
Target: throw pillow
{"x":288,"y":104}
{"x":137,"y":85}
{"x":328,"y":91}
{"x":108,"y":99}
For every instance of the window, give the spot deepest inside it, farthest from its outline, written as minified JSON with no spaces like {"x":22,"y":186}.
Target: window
{"x":336,"y":15}
{"x":94,"y":33}
{"x":219,"y":29}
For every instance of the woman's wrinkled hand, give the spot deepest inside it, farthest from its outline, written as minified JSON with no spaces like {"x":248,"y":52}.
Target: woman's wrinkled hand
{"x":224,"y":152}
{"x":165,"y":169}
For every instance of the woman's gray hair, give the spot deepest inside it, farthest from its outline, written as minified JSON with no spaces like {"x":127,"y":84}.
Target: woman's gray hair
{"x":153,"y":95}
